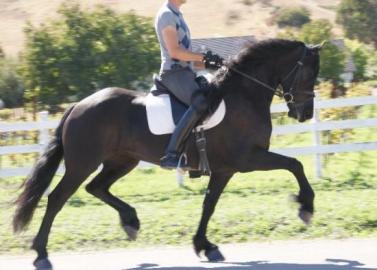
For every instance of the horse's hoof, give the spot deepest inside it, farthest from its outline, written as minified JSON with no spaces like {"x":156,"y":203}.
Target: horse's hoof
{"x":305,"y":216}
{"x":131,"y":232}
{"x":214,"y":255}
{"x":42,"y":264}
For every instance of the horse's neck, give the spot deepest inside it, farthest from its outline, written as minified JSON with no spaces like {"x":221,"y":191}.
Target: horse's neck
{"x":245,"y":91}
{"x":250,"y":103}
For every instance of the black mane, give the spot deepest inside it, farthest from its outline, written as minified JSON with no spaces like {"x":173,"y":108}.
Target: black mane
{"x":255,"y":54}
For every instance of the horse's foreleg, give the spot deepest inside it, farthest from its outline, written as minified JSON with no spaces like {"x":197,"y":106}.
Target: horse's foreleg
{"x":263,"y":160}
{"x":216,"y":186}
{"x":100,"y":185}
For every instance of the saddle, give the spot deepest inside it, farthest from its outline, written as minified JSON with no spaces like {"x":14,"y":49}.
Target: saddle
{"x":178,"y":108}
{"x":164,"y":111}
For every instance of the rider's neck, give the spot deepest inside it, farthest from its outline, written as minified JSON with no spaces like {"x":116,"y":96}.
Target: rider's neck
{"x":176,"y":3}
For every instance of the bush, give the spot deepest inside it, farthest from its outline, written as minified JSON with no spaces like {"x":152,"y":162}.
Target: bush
{"x":248,"y":2}
{"x":360,"y":59}
{"x":360,"y":54}
{"x":293,"y":17}
{"x":358,"y":19}
{"x":371,"y":67}
{"x":332,"y":58}
{"x":358,"y":90}
{"x":11,"y":86}
{"x":326,"y":90}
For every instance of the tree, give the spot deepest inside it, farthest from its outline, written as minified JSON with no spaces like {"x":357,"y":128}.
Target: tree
{"x":332,"y":58}
{"x":371,"y":69}
{"x":360,"y":53}
{"x":294,"y":17}
{"x":87,"y":51}
{"x":2,"y":54}
{"x":360,"y":59}
{"x":11,"y":86}
{"x":358,"y":18}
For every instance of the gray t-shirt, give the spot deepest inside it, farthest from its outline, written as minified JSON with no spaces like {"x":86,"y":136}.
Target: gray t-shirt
{"x":169,"y":15}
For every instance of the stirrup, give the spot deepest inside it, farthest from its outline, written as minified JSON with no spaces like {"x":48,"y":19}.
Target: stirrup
{"x":182,"y":165}
{"x":169,"y":161}
{"x":173,"y":161}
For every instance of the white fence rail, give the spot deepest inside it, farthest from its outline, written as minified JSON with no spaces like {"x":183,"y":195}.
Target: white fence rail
{"x":315,"y":127}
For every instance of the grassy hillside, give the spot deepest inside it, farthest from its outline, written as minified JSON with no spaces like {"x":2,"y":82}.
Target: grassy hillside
{"x":207,"y":18}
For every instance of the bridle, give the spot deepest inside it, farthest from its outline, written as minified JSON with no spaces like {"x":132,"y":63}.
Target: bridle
{"x":278,"y":91}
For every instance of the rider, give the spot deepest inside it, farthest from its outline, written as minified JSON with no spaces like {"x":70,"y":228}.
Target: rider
{"x":178,"y":76}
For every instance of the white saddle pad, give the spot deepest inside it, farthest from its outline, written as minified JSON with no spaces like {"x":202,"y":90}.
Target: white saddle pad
{"x":160,"y":117}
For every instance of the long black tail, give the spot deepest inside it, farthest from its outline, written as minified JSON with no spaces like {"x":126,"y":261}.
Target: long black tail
{"x":39,"y":179}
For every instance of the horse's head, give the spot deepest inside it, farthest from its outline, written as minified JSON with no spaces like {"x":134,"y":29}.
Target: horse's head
{"x":265,"y":65}
{"x":298,"y":80}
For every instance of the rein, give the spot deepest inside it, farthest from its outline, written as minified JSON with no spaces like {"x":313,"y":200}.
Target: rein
{"x":288,"y":96}
{"x":274,"y":90}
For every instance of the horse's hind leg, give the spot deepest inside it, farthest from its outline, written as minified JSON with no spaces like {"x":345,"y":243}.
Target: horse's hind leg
{"x":100,"y":186}
{"x":56,"y":200}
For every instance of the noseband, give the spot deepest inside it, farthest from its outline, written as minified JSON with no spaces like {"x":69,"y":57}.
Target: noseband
{"x":288,"y":96}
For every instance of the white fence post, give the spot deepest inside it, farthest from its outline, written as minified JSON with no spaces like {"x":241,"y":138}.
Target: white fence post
{"x":43,"y":131}
{"x":317,"y":137}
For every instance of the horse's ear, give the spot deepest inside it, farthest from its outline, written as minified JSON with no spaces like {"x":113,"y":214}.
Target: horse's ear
{"x":318,"y":47}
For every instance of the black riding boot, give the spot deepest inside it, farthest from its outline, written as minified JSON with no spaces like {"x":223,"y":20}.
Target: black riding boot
{"x":182,"y":131}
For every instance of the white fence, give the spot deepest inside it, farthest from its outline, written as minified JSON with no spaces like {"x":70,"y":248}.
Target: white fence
{"x":315,"y":127}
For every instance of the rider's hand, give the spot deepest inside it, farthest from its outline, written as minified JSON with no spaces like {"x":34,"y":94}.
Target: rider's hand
{"x":212,"y":61}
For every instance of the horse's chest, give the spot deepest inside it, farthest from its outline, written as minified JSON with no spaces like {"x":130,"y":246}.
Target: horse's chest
{"x":257,"y":131}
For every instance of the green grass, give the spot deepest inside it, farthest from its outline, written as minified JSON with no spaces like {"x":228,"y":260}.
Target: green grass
{"x":254,"y":206}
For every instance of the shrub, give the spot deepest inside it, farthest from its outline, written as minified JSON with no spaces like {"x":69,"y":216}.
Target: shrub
{"x":248,"y":2}
{"x":358,"y":19}
{"x":360,"y":53}
{"x":85,"y":51}
{"x":11,"y":86}
{"x":358,"y":90}
{"x":2,"y":55}
{"x":332,"y":58}
{"x":293,"y":17}
{"x":232,"y":17}
{"x":371,"y":67}
{"x":326,"y":90}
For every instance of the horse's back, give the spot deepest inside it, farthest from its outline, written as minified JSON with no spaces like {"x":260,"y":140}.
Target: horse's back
{"x":108,"y":95}
{"x":97,"y":124}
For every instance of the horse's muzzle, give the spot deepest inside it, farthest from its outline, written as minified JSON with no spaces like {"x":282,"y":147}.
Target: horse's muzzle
{"x":301,"y":111}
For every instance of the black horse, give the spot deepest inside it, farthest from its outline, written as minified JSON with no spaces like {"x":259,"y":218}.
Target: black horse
{"x":110,"y":128}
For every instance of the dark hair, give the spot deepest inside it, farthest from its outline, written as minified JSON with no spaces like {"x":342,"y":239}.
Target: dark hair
{"x":255,"y":54}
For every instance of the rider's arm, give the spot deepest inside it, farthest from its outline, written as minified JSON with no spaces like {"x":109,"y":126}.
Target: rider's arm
{"x":170,"y":37}
{"x":199,"y":65}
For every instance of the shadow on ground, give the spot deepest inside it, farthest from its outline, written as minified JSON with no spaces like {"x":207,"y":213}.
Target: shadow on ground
{"x":333,"y":264}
